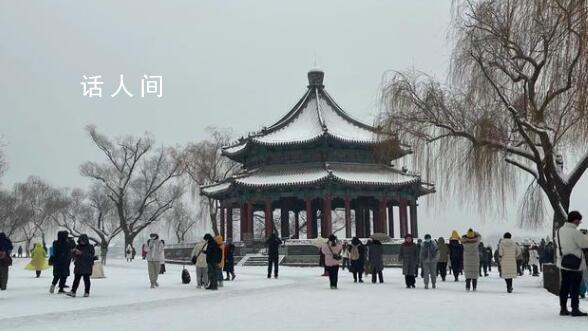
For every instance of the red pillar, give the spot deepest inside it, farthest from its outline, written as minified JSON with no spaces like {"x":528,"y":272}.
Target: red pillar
{"x":391,"y":221}
{"x":326,"y":224}
{"x":347,"y":217}
{"x":309,"y":218}
{"x":229,"y":223}
{"x":382,"y":215}
{"x":222,"y":222}
{"x":249,"y":221}
{"x":414,"y":227}
{"x":403,"y":218}
{"x":243,"y":221}
{"x":297,"y":224}
{"x":285,"y":219}
{"x":269,"y":219}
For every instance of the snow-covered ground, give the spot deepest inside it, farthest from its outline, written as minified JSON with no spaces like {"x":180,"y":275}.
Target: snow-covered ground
{"x":299,"y":300}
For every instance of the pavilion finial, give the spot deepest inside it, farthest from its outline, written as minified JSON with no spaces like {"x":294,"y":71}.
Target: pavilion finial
{"x":315,"y":78}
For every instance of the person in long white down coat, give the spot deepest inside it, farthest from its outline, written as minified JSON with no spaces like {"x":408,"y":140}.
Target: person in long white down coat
{"x":155,"y":257}
{"x":199,"y":258}
{"x":98,"y":268}
{"x":508,"y":251}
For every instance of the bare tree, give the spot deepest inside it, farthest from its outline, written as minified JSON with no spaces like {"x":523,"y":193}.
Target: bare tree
{"x":516,"y":100}
{"x":90,"y":213}
{"x":181,"y":219}
{"x":205,"y":165}
{"x":3,"y":160}
{"x":140,"y":179}
{"x":14,"y":214}
{"x":41,"y":202}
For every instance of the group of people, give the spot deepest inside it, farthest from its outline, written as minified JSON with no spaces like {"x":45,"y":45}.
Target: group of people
{"x":212,"y":258}
{"x":465,"y":255}
{"x":63,"y":251}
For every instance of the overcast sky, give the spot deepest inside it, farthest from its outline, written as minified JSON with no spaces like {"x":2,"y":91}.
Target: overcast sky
{"x":230,"y":64}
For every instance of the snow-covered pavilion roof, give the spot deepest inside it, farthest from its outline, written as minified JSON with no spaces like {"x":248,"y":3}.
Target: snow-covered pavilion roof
{"x":315,"y":116}
{"x":308,"y":174}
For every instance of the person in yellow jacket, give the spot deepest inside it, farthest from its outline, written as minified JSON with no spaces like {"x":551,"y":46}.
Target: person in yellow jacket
{"x":219,"y":240}
{"x":39,"y":260}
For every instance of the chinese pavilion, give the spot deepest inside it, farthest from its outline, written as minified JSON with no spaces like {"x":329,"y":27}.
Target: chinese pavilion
{"x":314,"y":160}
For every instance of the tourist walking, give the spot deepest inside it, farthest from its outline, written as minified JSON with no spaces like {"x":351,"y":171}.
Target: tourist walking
{"x":508,"y":252}
{"x":483,"y":259}
{"x":455,"y":255}
{"x":497,"y":259}
{"x":489,"y":255}
{"x":357,"y":258}
{"x":84,"y":256}
{"x":213,"y":257}
{"x":471,"y":259}
{"x":129,"y":253}
{"x":409,"y":256}
{"x":155,"y":256}
{"x":376,"y":252}
{"x":345,"y":255}
{"x":443,"y":250}
{"x":39,"y":261}
{"x":221,"y":264}
{"x":5,"y":259}
{"x":332,"y":250}
{"x":273,"y":244}
{"x":520,"y":261}
{"x":19,"y":251}
{"x":199,"y":259}
{"x":571,"y":262}
{"x":61,"y":261}
{"x":229,"y":267}
{"x":429,"y":257}
{"x":534,"y":260}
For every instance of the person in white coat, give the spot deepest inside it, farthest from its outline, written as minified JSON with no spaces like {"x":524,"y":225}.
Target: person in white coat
{"x":534,"y":259}
{"x":571,"y":242}
{"x":199,"y":259}
{"x":508,"y":251}
{"x":155,"y":257}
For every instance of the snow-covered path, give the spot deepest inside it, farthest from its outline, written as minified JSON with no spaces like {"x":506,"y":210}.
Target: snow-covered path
{"x":298,"y":300}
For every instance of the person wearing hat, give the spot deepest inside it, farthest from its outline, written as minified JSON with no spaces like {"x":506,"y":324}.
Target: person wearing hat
{"x":214,"y":256}
{"x":429,"y":256}
{"x":571,"y":262}
{"x":332,"y":251}
{"x":455,"y":254}
{"x":155,"y":256}
{"x":471,"y":259}
{"x":443,"y":250}
{"x":409,"y":256}
{"x":84,"y":256}
{"x":508,"y":252}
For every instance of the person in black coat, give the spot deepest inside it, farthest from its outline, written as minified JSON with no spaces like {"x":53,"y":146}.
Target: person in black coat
{"x":375,"y":252}
{"x":213,"y":257}
{"x":229,"y":266}
{"x":5,"y":259}
{"x":83,"y":254}
{"x":456,"y":257}
{"x":273,"y":254}
{"x":357,"y":257}
{"x":61,"y":261}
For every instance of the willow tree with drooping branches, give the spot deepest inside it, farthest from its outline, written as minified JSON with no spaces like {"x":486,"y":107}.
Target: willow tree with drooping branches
{"x":516,"y":101}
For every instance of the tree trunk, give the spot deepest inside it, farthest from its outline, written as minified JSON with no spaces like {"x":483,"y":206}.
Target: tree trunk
{"x":129,"y":238}
{"x":213,"y":221}
{"x":103,"y":251}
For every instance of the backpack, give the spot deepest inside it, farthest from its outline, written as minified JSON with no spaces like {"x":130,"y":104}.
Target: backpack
{"x":186,"y":276}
